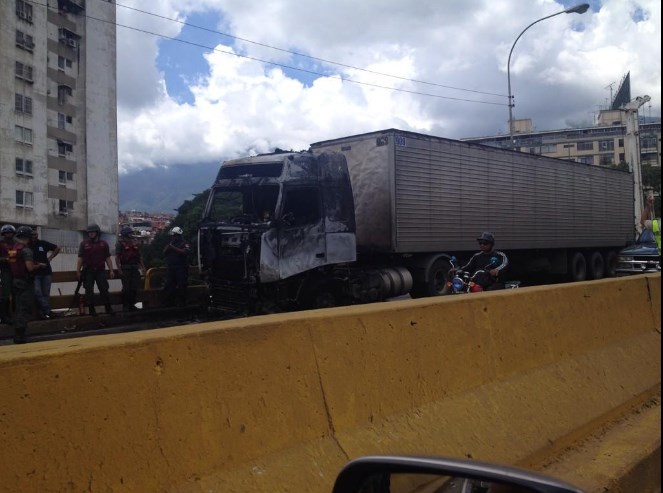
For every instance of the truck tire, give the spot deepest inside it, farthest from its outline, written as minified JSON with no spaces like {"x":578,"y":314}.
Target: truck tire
{"x":596,"y":265}
{"x":436,"y":285}
{"x":610,"y":262}
{"x":577,"y":270}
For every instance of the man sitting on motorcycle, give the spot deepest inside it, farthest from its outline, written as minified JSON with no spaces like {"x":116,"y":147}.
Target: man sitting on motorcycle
{"x":492,"y":261}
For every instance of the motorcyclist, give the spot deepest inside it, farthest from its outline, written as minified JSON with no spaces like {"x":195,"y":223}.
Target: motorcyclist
{"x":492,"y":261}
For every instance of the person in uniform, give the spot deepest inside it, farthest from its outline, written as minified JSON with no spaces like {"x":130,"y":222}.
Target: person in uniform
{"x":129,"y":265}
{"x":7,"y":232}
{"x":23,"y":268}
{"x":93,"y":257}
{"x":177,"y":260}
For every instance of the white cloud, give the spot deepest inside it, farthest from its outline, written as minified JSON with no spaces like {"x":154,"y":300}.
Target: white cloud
{"x":560,"y":69}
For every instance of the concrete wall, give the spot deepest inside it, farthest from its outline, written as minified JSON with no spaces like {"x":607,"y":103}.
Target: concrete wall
{"x":280,"y":403}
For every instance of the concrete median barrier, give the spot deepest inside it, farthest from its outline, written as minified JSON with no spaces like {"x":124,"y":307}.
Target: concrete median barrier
{"x":281,"y":402}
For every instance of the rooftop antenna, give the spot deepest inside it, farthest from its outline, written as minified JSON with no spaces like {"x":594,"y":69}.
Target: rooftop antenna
{"x":610,"y":87}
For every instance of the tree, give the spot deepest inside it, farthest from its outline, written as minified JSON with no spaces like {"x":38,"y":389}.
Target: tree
{"x":651,"y":179}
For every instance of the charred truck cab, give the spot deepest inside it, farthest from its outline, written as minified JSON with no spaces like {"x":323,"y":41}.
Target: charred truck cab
{"x":278,"y":233}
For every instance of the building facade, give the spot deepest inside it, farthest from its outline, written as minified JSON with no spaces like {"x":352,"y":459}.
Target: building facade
{"x":605,"y":144}
{"x":58,"y":118}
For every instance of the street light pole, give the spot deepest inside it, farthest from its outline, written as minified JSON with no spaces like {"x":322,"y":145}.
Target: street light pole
{"x":578,"y":9}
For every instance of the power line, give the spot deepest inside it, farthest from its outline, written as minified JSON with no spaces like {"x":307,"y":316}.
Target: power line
{"x":344,"y":79}
{"x":310,"y":57}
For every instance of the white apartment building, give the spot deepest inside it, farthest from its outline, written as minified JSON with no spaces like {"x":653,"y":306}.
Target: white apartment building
{"x":58,"y":119}
{"x":604,"y":144}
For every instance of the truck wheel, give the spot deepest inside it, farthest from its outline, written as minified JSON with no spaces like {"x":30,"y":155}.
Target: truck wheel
{"x":596,"y":265}
{"x":577,"y":270}
{"x":610,"y":262}
{"x":437,"y":281}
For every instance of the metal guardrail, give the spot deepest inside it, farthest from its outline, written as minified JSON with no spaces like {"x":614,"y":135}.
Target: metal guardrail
{"x":149,"y":295}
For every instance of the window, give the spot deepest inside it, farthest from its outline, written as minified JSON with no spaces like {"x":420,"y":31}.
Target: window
{"x":64,"y":148}
{"x":63,"y":92}
{"x":648,"y":142}
{"x":23,"y":71}
{"x":621,"y":142}
{"x":65,"y":206}
{"x":24,"y":199}
{"x":585,"y":146}
{"x":22,"y":134}
{"x":607,"y":160}
{"x":64,"y":62}
{"x":24,"y":10}
{"x":586,"y":159}
{"x":547,"y":148}
{"x":61,"y":120}
{"x":622,"y":157}
{"x":64,"y":177}
{"x":23,"y":167}
{"x":24,"y":41}
{"x":606,"y":145}
{"x":23,"y":104}
{"x":302,"y":207}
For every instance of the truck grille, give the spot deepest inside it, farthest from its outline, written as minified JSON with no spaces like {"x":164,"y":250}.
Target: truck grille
{"x":231,"y":297}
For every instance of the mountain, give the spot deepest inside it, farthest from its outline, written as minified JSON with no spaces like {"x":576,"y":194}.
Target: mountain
{"x":164,"y":189}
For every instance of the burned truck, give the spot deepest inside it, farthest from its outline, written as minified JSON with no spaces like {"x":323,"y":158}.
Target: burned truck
{"x":378,"y":215}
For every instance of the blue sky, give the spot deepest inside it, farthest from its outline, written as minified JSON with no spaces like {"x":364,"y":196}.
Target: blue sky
{"x":426,"y":66}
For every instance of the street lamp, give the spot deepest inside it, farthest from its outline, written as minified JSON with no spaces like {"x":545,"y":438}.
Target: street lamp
{"x":578,"y":9}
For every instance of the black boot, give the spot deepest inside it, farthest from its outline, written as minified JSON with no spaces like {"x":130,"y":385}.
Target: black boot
{"x":19,"y":336}
{"x":4,"y":312}
{"x":92,"y":311}
{"x":109,"y":309}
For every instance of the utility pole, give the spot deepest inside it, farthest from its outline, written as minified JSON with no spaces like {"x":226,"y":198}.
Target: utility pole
{"x":632,"y":148}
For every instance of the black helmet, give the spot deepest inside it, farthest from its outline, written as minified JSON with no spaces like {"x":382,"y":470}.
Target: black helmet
{"x":126,"y":231}
{"x":485,"y":236}
{"x":93,"y":227}
{"x":24,"y":232}
{"x":7,"y":228}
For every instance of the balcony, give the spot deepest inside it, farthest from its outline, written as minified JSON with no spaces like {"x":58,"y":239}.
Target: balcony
{"x":71,"y":6}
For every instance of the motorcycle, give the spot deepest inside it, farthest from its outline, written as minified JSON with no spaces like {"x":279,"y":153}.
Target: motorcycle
{"x":467,"y":282}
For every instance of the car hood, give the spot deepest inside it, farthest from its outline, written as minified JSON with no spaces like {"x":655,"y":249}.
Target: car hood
{"x":643,"y":249}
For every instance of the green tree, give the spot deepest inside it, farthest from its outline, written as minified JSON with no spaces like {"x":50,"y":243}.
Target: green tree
{"x":188,"y":218}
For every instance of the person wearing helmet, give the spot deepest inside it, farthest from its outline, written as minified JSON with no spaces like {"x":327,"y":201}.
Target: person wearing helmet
{"x":93,"y":257}
{"x":129,"y":265}
{"x":488,"y":259}
{"x":177,"y":260}
{"x":23,"y":268}
{"x":7,"y":232}
{"x":44,"y":251}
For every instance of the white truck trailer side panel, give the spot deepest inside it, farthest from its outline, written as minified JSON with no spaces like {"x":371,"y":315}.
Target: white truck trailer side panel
{"x":442,"y":193}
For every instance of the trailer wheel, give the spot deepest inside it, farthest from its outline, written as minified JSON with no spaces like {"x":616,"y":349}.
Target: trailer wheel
{"x":436,"y":285}
{"x":577,"y":267}
{"x":596,"y":265}
{"x":610,"y":262}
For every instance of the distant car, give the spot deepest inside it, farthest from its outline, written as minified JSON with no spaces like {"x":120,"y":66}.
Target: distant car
{"x":640,"y":258}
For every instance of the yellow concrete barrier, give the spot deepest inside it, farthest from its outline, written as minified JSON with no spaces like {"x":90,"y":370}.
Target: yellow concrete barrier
{"x":281,"y":402}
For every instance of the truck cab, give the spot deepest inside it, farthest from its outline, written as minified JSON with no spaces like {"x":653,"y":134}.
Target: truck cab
{"x":270,"y":221}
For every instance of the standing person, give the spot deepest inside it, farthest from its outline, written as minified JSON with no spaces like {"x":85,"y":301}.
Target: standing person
{"x":43,"y":252}
{"x":23,"y":267}
{"x":490,"y":258}
{"x":648,"y":221}
{"x":129,"y":265}
{"x":177,"y":260}
{"x":93,"y":257}
{"x":7,"y":233}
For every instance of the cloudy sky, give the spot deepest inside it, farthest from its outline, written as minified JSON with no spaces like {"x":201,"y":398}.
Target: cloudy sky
{"x":206,"y":80}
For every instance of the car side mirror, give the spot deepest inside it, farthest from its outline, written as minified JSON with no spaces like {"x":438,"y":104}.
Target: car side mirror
{"x":395,"y":474}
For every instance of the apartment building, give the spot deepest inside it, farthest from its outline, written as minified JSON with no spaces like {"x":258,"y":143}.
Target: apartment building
{"x":58,"y":118}
{"x":604,"y":144}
